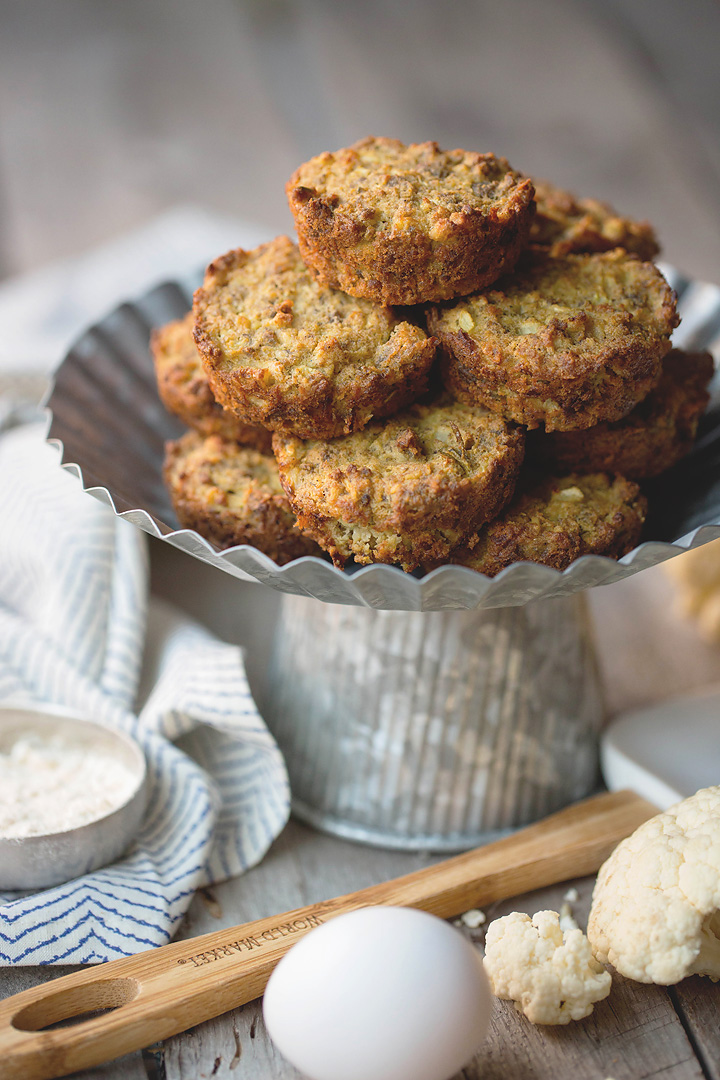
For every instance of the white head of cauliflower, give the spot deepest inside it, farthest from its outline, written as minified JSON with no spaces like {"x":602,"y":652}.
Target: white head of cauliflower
{"x":552,"y":977}
{"x":656,"y":906}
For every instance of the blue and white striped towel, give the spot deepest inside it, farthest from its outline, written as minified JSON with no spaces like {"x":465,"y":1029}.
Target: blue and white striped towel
{"x":73,"y":622}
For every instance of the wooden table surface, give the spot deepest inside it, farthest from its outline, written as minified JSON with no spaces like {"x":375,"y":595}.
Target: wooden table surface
{"x":113,"y":112}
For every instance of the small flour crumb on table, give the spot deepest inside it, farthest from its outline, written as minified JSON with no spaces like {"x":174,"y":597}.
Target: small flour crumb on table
{"x":52,"y":784}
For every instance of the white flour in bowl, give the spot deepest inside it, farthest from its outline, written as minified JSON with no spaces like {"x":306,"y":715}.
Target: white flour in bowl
{"x":53,"y":783}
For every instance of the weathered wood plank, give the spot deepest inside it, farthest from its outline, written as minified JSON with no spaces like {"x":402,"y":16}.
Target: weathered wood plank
{"x":137,"y":107}
{"x":635,"y":1034}
{"x":231,"y":1046}
{"x":698,"y":1003}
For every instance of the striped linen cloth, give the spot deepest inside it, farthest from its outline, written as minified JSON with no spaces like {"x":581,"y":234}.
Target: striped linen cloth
{"x":74,"y":615}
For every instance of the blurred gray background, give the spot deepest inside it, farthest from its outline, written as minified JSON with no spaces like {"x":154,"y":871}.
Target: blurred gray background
{"x":111,"y":112}
{"x":114,"y":111}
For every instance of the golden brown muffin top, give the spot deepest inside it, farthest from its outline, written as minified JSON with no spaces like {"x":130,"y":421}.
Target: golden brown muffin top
{"x":417,"y":467}
{"x":653,"y":437}
{"x":564,"y":225}
{"x":172,"y":345}
{"x":387,"y":185}
{"x":185,"y":391}
{"x":566,"y":317}
{"x":220,"y":473}
{"x":232,"y":495}
{"x":553,"y":520}
{"x":261,"y":309}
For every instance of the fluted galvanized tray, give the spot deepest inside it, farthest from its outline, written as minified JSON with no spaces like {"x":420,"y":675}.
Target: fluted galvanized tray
{"x":110,"y":426}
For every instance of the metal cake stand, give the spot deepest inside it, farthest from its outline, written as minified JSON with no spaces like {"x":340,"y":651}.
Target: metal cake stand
{"x":416,"y":711}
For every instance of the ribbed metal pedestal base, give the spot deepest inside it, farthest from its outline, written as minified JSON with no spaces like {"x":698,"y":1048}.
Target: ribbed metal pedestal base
{"x":437,"y":730}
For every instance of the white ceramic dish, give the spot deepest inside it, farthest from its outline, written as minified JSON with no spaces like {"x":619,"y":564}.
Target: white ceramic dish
{"x":667,"y":751}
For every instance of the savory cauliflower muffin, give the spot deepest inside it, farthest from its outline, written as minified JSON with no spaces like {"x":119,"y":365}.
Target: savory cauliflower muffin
{"x":408,"y":224}
{"x":283,"y":351}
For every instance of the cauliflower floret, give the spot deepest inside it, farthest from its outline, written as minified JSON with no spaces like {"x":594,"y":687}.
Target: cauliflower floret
{"x":655,"y":913}
{"x":552,"y":977}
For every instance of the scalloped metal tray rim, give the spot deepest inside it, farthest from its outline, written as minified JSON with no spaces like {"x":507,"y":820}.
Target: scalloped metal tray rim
{"x":382,"y":586}
{"x":471,"y":588}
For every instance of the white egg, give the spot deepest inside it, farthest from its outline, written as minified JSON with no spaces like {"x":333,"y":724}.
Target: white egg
{"x":382,"y":993}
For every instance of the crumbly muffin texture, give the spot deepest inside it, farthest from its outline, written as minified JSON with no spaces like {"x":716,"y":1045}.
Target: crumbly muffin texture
{"x":232,"y":495}
{"x":405,"y":491}
{"x":282,"y":351}
{"x":555,"y":388}
{"x":185,"y":391}
{"x":409,"y":224}
{"x":567,"y":342}
{"x":565,"y":225}
{"x":652,"y":438}
{"x":554,"y":520}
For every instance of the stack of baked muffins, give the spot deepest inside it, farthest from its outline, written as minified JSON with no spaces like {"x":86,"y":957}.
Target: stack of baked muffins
{"x":454,"y":364}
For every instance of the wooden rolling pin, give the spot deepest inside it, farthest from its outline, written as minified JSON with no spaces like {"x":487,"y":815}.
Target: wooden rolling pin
{"x":158,"y":993}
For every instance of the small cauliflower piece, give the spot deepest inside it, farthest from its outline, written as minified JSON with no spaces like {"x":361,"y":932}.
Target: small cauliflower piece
{"x":655,"y":912}
{"x":473,"y":919}
{"x":551,"y":976}
{"x":567,"y":919}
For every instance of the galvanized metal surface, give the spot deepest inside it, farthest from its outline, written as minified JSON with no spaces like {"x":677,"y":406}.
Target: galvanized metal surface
{"x":434,"y":731}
